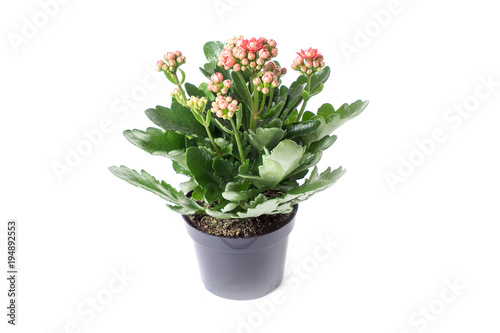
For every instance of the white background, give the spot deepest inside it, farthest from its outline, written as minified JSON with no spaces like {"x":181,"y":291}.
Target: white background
{"x":398,"y":245}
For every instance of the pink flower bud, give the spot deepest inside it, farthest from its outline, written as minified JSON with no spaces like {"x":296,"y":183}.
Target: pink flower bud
{"x":164,"y":67}
{"x":228,"y":83}
{"x":217,"y":78}
{"x":241,"y":54}
{"x":181,"y":60}
{"x":263,"y":54}
{"x":224,"y":91}
{"x":236,"y":67}
{"x":259,"y":88}
{"x":172,"y":62}
{"x":256,"y":81}
{"x":219,"y":113}
{"x":274,"y":52}
{"x":267,"y":78}
{"x":229,"y":99}
{"x":223,"y":105}
{"x":245,"y":62}
{"x":243,"y":68}
{"x":309,"y":72}
{"x":294,"y":67}
{"x":260,"y":61}
{"x":271,"y":43}
{"x":159,"y":63}
{"x":178,"y":53}
{"x":169,"y":56}
{"x":229,"y":114}
{"x":275,"y":84}
{"x":231,"y":107}
{"x":251,"y":56}
{"x":308,"y":63}
{"x":215,"y":88}
{"x":315,"y":64}
{"x":265,"y":91}
{"x":283,"y":71}
{"x":176,"y":91}
{"x":303,"y":69}
{"x":322,"y":64}
{"x":253,"y":64}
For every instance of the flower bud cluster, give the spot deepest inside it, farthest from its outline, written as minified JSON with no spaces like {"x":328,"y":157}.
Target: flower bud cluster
{"x":172,"y":61}
{"x":224,"y":106}
{"x":308,"y":62}
{"x":217,"y":84}
{"x":269,"y":79}
{"x":247,"y":54}
{"x":196,"y":104}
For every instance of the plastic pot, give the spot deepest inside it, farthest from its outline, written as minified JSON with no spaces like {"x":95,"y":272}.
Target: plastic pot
{"x":241,"y":268}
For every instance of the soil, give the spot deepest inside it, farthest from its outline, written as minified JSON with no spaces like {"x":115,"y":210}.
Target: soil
{"x":239,"y":228}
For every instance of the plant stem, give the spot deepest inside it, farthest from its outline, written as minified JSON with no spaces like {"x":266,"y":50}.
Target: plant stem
{"x":263,"y":103}
{"x":270,"y":100}
{"x":179,"y":86}
{"x":212,"y":140}
{"x":255,"y":110}
{"x":238,"y":141}
{"x":308,"y":88}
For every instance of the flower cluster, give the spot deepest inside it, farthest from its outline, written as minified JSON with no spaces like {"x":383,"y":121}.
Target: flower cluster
{"x":271,"y":73}
{"x":242,"y":54}
{"x":172,"y":61}
{"x":217,"y":84}
{"x":308,"y":61}
{"x":196,"y":104}
{"x":224,"y":107}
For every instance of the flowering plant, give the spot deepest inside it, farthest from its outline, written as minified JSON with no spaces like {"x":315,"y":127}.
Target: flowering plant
{"x":244,"y":140}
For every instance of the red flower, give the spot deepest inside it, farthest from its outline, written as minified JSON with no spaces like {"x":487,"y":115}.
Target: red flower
{"x":226,"y":59}
{"x":309,"y":54}
{"x":252,"y":45}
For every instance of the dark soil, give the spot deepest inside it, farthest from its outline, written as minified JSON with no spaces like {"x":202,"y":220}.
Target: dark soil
{"x":239,"y":228}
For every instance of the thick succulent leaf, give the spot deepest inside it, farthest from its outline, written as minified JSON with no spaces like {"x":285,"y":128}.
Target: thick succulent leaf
{"x":260,"y":206}
{"x":265,"y":137}
{"x":319,"y":78}
{"x":240,"y":87}
{"x":307,"y":115}
{"x":239,"y":191}
{"x":294,"y":98}
{"x":156,"y":141}
{"x":326,"y":110}
{"x":280,"y":163}
{"x":192,"y":90}
{"x":333,"y":121}
{"x":145,"y":181}
{"x":322,"y":144}
{"x":302,"y":128}
{"x":225,"y":170}
{"x":178,"y":119}
{"x":316,"y":183}
{"x":212,"y":50}
{"x":199,"y":163}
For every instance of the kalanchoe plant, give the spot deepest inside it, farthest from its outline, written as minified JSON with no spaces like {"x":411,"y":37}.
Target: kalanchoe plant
{"x":244,"y":140}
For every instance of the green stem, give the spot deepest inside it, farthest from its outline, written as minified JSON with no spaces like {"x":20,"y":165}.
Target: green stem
{"x":308,"y":88}
{"x":238,"y":141}
{"x":255,"y":110}
{"x":270,"y":100}
{"x":179,"y":86}
{"x":213,"y":141}
{"x":263,"y":103}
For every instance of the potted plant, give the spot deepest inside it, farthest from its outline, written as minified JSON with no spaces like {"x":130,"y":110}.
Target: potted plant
{"x":246,"y":143}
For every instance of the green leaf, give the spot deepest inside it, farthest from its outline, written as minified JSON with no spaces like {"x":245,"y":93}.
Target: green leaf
{"x":265,"y":137}
{"x":144,"y":180}
{"x":192,"y":90}
{"x":212,"y":50}
{"x":319,"y":78}
{"x":316,"y":183}
{"x":322,"y":144}
{"x":333,"y":121}
{"x":260,"y":206}
{"x":199,"y":163}
{"x":276,"y":109}
{"x":307,"y":115}
{"x":240,"y":87}
{"x":178,"y":119}
{"x":155,"y":141}
{"x":326,"y":110}
{"x":301,"y":128}
{"x":317,"y":90}
{"x":225,"y":170}
{"x":239,"y":191}
{"x":294,"y":98}
{"x":280,"y":163}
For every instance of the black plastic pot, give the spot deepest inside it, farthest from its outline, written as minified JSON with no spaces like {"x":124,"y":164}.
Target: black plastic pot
{"x":241,"y":268}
